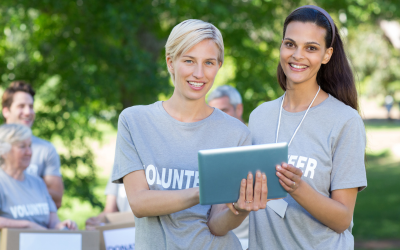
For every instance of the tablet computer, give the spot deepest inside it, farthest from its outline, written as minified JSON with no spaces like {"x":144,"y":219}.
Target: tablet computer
{"x":221,"y":171}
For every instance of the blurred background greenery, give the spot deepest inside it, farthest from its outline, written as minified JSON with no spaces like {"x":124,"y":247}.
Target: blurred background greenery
{"x":89,"y":59}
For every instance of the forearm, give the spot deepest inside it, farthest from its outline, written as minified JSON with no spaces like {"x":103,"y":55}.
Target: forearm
{"x":145,"y":203}
{"x":223,"y":220}
{"x":329,"y":212}
{"x":54,"y":220}
{"x":11,"y":223}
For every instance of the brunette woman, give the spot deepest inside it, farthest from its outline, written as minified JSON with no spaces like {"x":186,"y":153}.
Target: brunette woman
{"x":157,"y":146}
{"x":317,"y":116}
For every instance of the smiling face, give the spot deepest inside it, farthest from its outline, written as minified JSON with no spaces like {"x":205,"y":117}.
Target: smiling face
{"x":21,"y":110}
{"x":19,"y":155}
{"x":303,"y":50}
{"x":194,"y":71}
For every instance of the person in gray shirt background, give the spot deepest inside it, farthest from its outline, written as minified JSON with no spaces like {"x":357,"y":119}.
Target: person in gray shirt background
{"x":24,"y":199}
{"x":228,"y":100}
{"x":157,"y":147}
{"x":17,"y":102}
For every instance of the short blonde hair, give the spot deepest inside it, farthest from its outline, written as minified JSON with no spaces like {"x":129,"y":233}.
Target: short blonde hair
{"x":187,"y":34}
{"x":11,"y":133}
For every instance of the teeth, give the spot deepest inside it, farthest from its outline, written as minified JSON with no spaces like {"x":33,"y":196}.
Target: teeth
{"x":197,"y":84}
{"x":298,"y":66}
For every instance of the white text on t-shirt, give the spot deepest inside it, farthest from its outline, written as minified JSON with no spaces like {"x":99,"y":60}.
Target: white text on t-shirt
{"x":36,"y":209}
{"x":306,"y":165}
{"x":175,"y":179}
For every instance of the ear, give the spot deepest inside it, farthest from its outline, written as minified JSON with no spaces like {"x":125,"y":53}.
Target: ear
{"x":328,"y":55}
{"x":239,"y":111}
{"x":6,"y":113}
{"x":170,"y":64}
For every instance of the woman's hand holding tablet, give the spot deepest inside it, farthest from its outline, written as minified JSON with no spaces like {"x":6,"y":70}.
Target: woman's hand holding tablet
{"x":289,"y":177}
{"x":251,"y":199}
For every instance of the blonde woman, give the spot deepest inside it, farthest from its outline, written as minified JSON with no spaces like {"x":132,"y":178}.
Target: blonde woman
{"x":24,"y":199}
{"x":157,"y":145}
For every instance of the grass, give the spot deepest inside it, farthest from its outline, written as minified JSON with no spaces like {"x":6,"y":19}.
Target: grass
{"x":382,"y":124}
{"x":377,"y":212}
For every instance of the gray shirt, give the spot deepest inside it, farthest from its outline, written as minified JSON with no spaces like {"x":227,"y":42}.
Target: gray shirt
{"x":118,"y":190}
{"x":45,"y":160}
{"x":329,"y":148}
{"x":25,"y":200}
{"x":150,"y":139}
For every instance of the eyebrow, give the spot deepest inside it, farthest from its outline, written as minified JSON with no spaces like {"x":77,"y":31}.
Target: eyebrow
{"x":195,"y":58}
{"x":307,"y":43}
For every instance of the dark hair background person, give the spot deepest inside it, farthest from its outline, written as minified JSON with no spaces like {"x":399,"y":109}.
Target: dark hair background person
{"x":228,"y":100}
{"x":17,"y":102}
{"x":318,"y":118}
{"x":24,"y":199}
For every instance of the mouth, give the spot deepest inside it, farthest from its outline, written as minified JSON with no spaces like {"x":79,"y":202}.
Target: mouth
{"x":298,"y":67}
{"x":196,"y":85}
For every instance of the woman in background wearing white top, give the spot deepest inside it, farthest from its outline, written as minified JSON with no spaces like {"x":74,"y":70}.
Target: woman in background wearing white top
{"x":157,"y":146}
{"x":317,"y":116}
{"x":24,"y":199}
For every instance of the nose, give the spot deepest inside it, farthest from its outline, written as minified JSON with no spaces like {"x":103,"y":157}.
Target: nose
{"x":29,"y":151}
{"x":198,"y":71}
{"x":297,"y":54}
{"x":28,"y":110}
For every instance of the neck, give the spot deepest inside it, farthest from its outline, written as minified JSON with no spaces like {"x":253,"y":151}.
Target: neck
{"x":186,"y":110}
{"x":299,"y":96}
{"x":15,"y":173}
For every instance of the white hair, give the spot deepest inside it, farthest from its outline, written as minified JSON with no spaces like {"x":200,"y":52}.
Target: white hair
{"x":226,"y":90}
{"x":11,"y":133}
{"x":187,"y":34}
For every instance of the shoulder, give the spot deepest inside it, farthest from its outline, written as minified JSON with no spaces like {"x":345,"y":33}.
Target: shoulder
{"x":341,"y":112}
{"x":42,"y":144}
{"x":267,"y":107}
{"x":35,"y":180}
{"x":228,"y":122}
{"x":139,"y":111}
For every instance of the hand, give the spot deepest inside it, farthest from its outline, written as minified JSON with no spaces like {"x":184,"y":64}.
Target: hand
{"x":67,"y":224}
{"x":33,"y":225}
{"x":249,"y":200}
{"x":92,"y":223}
{"x":289,"y":177}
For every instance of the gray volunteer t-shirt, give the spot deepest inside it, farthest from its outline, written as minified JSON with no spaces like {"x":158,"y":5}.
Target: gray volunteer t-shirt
{"x":25,"y":200}
{"x":329,"y":148}
{"x":150,"y":139}
{"x":45,"y":160}
{"x":118,"y":190}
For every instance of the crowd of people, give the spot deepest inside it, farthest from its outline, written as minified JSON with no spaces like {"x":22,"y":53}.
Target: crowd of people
{"x":317,"y":116}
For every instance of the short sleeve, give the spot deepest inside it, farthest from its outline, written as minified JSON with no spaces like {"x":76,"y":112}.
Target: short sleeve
{"x":111,"y":188}
{"x":247,"y":141}
{"x":52,"y":162}
{"x":348,"y":166}
{"x":126,"y":158}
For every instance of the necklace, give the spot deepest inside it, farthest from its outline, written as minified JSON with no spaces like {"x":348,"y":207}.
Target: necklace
{"x":298,"y":126}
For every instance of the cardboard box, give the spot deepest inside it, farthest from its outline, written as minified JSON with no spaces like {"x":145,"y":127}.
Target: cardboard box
{"x":27,"y":239}
{"x":118,"y":231}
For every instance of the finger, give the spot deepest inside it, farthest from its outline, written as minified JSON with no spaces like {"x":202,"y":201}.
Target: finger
{"x":249,"y":191}
{"x":293,"y":169}
{"x":264,"y":192}
{"x":232,"y":208}
{"x":288,"y":189}
{"x":288,"y":174}
{"x":242,"y":196}
{"x":257,"y":191}
{"x":286,"y":180}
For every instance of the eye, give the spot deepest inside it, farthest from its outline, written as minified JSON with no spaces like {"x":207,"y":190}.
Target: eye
{"x":209,"y":63}
{"x":312,"y":48}
{"x":188,"y":61}
{"x":289,"y":44}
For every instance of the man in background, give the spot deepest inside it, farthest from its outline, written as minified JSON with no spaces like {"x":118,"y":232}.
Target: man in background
{"x":17,"y":104}
{"x":228,"y":100}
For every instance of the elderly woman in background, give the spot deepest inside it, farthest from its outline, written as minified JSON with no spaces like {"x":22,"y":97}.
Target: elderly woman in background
{"x":24,"y":199}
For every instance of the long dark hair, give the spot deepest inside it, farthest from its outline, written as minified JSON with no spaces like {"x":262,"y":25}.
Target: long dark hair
{"x":335,"y":77}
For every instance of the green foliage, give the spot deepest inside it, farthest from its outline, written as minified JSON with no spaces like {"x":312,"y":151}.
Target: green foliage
{"x":90,"y":59}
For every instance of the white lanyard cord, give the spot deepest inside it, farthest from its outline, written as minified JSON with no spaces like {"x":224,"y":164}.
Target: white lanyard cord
{"x":280,"y":114}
